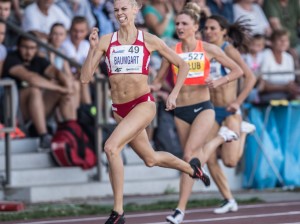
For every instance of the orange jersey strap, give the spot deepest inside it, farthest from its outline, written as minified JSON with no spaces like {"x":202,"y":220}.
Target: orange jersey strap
{"x":198,"y":62}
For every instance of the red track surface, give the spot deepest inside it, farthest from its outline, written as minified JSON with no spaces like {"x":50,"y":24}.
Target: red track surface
{"x":285,"y":212}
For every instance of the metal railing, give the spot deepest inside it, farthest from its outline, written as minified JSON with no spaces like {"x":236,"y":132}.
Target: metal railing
{"x":9,"y":125}
{"x":102,"y":116}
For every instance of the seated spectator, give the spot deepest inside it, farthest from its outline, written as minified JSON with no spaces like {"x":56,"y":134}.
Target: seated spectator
{"x":285,"y":14}
{"x":42,"y":88}
{"x":251,"y":11}
{"x":3,"y":54}
{"x":221,"y":7}
{"x":77,"y":47}
{"x":46,"y":13}
{"x":74,"y":8}
{"x":254,"y":60}
{"x":3,"y":51}
{"x":57,"y":36}
{"x":276,"y":60}
{"x":254,"y":57}
{"x":5,"y":14}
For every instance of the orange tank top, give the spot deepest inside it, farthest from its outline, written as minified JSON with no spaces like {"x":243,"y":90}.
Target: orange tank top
{"x":198,"y":62}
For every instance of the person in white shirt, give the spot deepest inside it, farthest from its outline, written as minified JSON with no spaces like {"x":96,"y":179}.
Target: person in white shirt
{"x":281,"y":84}
{"x":41,"y":15}
{"x":76,"y":47}
{"x":247,"y":9}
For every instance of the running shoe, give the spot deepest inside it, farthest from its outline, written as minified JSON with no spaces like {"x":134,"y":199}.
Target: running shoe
{"x":247,"y":127}
{"x":176,"y":218}
{"x":115,"y":218}
{"x":227,"y":206}
{"x":227,"y":134}
{"x":199,"y":173}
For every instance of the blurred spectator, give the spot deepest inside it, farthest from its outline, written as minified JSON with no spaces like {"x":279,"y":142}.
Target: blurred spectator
{"x":5,"y":12}
{"x":46,"y":13}
{"x":5,"y":9}
{"x":159,"y":18}
{"x":104,"y":23}
{"x":41,"y":87}
{"x":205,"y":13}
{"x":277,"y":60}
{"x":57,"y":36}
{"x":17,"y":11}
{"x":254,"y":60}
{"x":221,"y":7}
{"x":255,"y":56}
{"x":285,"y":14}
{"x":178,"y":5}
{"x":251,"y":11}
{"x":77,"y":47}
{"x":74,"y":8}
{"x":3,"y":51}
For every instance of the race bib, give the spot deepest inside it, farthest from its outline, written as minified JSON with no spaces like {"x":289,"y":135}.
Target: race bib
{"x":127,"y":59}
{"x":196,"y":64}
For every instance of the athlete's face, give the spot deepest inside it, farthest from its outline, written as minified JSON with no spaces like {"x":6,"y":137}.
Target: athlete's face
{"x":124,"y":12}
{"x":185,"y":26}
{"x":213,"y":31}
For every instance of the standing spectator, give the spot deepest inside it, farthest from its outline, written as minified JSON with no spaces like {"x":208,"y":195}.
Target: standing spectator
{"x":251,"y":11}
{"x":222,"y":7}
{"x":74,"y":8}
{"x":77,"y":47}
{"x":285,"y":14}
{"x":277,"y":60}
{"x":41,"y":87}
{"x":159,"y":18}
{"x":104,"y":23}
{"x":46,"y":13}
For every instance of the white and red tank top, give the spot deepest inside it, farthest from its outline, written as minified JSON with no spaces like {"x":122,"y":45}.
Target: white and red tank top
{"x":198,"y":62}
{"x":127,"y":59}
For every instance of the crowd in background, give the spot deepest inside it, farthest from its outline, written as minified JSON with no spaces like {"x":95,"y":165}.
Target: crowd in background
{"x":49,"y":85}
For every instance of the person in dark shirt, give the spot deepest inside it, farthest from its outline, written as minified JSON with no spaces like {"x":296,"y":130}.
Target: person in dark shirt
{"x":42,"y":88}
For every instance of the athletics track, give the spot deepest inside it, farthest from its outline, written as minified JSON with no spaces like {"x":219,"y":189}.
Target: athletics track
{"x":266,"y":213}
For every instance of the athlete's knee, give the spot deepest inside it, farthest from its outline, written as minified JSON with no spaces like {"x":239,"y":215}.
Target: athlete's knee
{"x":187,"y":157}
{"x":212,"y":162}
{"x":230,"y":163}
{"x":150,"y":161}
{"x":110,"y":150}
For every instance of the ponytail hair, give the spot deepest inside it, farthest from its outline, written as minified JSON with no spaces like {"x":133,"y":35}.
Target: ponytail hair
{"x":193,"y":10}
{"x":238,"y":32}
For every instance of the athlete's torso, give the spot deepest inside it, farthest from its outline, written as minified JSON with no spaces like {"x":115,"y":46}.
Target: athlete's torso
{"x":194,"y":90}
{"x":227,"y":93}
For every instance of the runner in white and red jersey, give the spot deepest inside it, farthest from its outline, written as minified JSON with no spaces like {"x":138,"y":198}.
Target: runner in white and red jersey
{"x":127,"y":56}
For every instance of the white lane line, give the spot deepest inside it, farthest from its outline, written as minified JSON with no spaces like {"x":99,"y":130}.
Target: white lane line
{"x":237,"y":217}
{"x":190,"y":211}
{"x":290,"y":223}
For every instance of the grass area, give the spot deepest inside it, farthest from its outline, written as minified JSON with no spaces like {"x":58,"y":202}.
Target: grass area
{"x":64,"y":210}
